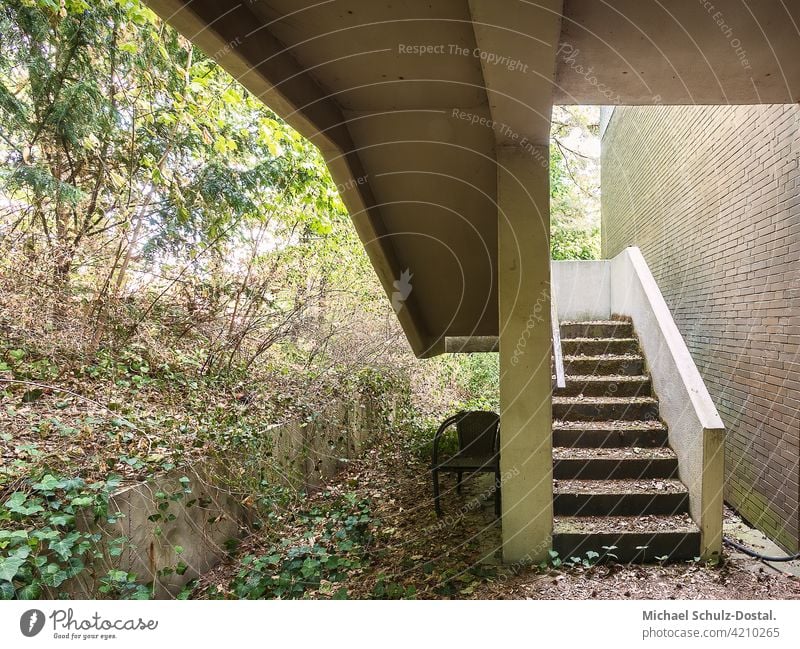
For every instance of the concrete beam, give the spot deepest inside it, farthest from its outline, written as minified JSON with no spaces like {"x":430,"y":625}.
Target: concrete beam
{"x":470,"y":344}
{"x":518,"y":42}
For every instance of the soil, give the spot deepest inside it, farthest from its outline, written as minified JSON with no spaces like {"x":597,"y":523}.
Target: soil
{"x":603,"y":400}
{"x":624,"y":453}
{"x":458,"y":556}
{"x":612,"y":524}
{"x":654,"y":486}
{"x":622,"y":424}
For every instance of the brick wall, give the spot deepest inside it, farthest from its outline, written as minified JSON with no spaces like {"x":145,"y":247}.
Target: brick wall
{"x":712,"y":197}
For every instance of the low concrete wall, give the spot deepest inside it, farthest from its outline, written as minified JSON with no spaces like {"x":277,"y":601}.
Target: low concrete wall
{"x":164,"y":531}
{"x":199,"y":517}
{"x":696,"y":431}
{"x":625,"y":286}
{"x":582,"y":289}
{"x":310,"y":452}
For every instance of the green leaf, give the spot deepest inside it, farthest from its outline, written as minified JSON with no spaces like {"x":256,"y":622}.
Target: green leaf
{"x":46,"y":535}
{"x":63,"y":548}
{"x":31,"y":591}
{"x":6,"y":590}
{"x":13,"y":535}
{"x":62,"y":520}
{"x":9,"y":567}
{"x":49,"y":483}
{"x":16,"y":504}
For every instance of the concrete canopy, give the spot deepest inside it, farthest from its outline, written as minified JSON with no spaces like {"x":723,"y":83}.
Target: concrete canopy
{"x":410,"y":101}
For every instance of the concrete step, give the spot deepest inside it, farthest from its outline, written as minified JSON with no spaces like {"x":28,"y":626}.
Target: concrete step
{"x":605,"y":408}
{"x":597,"y":329}
{"x":608,"y":386}
{"x":599,"y":346}
{"x":609,"y":434}
{"x":614,"y":463}
{"x":613,"y":364}
{"x":627,"y":538}
{"x":619,"y":497}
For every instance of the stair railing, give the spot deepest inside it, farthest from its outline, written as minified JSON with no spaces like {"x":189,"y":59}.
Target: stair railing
{"x":558,"y":357}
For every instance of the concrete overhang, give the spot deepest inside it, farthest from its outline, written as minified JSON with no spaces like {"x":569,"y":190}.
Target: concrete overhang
{"x":410,"y":101}
{"x":679,"y":52}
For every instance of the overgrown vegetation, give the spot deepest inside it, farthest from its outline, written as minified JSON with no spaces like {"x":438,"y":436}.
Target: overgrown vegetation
{"x":575,"y":183}
{"x":178,"y":276}
{"x":41,"y":543}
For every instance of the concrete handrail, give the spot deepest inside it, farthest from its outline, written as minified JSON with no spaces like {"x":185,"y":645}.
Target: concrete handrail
{"x":696,"y":431}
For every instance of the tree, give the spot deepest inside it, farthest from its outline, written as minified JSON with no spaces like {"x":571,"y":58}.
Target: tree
{"x":574,"y":184}
{"x":125,"y":150}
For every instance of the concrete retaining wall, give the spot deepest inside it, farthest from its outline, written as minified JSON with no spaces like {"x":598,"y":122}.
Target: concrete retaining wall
{"x":169,"y":521}
{"x":696,"y":432}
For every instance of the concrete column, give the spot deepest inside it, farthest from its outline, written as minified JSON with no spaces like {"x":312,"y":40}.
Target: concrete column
{"x":525,"y":347}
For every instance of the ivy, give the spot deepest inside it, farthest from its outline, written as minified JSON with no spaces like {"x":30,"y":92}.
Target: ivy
{"x":42,"y":544}
{"x":302,"y":567}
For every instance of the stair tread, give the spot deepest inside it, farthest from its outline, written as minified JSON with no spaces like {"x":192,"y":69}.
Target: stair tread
{"x":647,"y":524}
{"x":609,"y":425}
{"x":616,"y":453}
{"x":603,"y":378}
{"x":601,"y":400}
{"x":599,"y":339}
{"x":604,"y":357}
{"x":601,"y":322}
{"x":654,"y":486}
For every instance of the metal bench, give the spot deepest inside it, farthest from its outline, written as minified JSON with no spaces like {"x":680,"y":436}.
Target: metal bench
{"x":478,"y":451}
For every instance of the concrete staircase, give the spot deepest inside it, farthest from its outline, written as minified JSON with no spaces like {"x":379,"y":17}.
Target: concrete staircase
{"x":616,"y":487}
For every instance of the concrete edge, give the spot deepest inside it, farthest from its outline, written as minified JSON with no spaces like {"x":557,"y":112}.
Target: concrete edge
{"x":696,"y":389}
{"x":712,"y":442}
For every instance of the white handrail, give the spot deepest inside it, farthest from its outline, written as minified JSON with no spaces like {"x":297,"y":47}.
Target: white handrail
{"x":558,"y":357}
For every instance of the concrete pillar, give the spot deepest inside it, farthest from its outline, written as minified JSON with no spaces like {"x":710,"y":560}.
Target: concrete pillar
{"x":525,"y":347}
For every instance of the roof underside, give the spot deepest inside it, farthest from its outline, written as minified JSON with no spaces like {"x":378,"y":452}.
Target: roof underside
{"x":403,"y":133}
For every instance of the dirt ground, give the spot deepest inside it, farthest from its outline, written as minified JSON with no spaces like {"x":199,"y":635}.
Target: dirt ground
{"x":737,"y":578}
{"x":457,"y":557}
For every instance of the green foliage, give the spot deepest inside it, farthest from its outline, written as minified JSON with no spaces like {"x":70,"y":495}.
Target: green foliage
{"x":588,"y":560}
{"x":574,"y":186}
{"x":43,"y":540}
{"x":335,"y":544}
{"x":478,"y":376}
{"x":387,"y":589}
{"x":575,"y":242}
{"x":553,"y":560}
{"x":122,"y":145}
{"x":118,"y":584}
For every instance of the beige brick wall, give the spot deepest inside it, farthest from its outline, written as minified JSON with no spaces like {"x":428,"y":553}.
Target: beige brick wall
{"x":712,"y":197}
